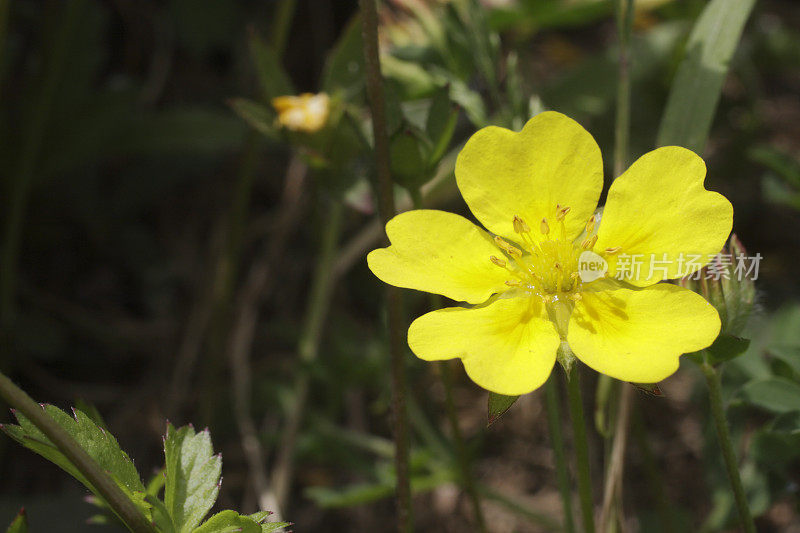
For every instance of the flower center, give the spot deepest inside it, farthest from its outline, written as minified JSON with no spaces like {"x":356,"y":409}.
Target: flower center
{"x":546,"y":266}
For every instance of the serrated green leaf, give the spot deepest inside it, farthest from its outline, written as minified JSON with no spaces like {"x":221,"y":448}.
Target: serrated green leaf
{"x":271,"y":76}
{"x":497,"y":406}
{"x":698,"y":82}
{"x":192,"y":476}
{"x":344,"y":67}
{"x":20,"y":523}
{"x":229,"y":522}
{"x":778,"y":395}
{"x":260,"y":117}
{"x":97,"y":442}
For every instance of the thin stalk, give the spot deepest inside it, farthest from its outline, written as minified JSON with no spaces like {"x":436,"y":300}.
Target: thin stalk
{"x":614,"y":473}
{"x":394,"y":304}
{"x":654,"y":479}
{"x":33,"y":137}
{"x":446,"y":375}
{"x":282,"y":23}
{"x":557,"y":443}
{"x":464,"y":462}
{"x":100,"y":480}
{"x":624,"y":19}
{"x":308,"y":349}
{"x":581,"y":448}
{"x":724,"y":437}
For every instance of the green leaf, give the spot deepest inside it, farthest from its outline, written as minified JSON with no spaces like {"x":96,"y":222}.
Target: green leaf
{"x":97,"y":442}
{"x":778,"y":395}
{"x":698,"y":82}
{"x":266,"y":527}
{"x":441,"y":123}
{"x":260,"y":117}
{"x":344,"y":68}
{"x":161,"y":517}
{"x":408,"y":160}
{"x":726,"y":347}
{"x":193,"y":476}
{"x":271,"y":76}
{"x":20,"y":523}
{"x":498,"y":405}
{"x":229,"y":522}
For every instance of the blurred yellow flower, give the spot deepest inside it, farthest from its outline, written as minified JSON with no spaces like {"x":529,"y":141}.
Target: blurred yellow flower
{"x":307,"y":112}
{"x":553,"y":272}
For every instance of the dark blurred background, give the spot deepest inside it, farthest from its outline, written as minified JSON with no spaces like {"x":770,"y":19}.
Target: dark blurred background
{"x":139,"y":212}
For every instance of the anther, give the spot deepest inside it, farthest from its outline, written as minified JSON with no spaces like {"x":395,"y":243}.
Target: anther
{"x":544,"y":227}
{"x":590,"y":224}
{"x":589,"y":242}
{"x":613,"y":250}
{"x":513,"y":282}
{"x":575,"y":296}
{"x":507,"y":248}
{"x":520,"y":226}
{"x":497,"y":261}
{"x":562,"y":212}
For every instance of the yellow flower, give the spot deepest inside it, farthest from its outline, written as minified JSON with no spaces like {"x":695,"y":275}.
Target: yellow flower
{"x":307,"y":112}
{"x":531,"y":282}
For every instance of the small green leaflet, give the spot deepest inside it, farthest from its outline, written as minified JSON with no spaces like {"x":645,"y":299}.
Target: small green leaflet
{"x":97,"y":442}
{"x":192,"y":476}
{"x":232,"y":522}
{"x":20,"y":524}
{"x":497,"y":406}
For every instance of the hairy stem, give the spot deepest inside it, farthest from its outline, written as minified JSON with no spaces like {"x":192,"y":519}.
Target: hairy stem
{"x":581,"y":448}
{"x":557,"y":443}
{"x":108,"y":489}
{"x":728,"y":455}
{"x":394,"y":305}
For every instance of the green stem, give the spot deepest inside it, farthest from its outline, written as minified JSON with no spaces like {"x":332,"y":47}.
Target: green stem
{"x":581,"y":447}
{"x":557,"y":443}
{"x":386,"y":209}
{"x":102,"y":482}
{"x":728,"y":455}
{"x":624,"y":19}
{"x":308,"y":349}
{"x":284,"y":14}
{"x":33,"y":137}
{"x":464,"y":462}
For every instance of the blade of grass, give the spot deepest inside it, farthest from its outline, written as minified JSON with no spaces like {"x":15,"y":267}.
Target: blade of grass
{"x":696,"y":88}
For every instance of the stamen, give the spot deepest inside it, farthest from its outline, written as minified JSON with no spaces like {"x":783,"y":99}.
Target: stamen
{"x":507,"y":248}
{"x":513,"y":282}
{"x":497,"y":261}
{"x":589,"y":242}
{"x":520,"y":226}
{"x":613,"y":250}
{"x":590,"y":224}
{"x":562,"y":212}
{"x":544,"y":227}
{"x":575,"y":297}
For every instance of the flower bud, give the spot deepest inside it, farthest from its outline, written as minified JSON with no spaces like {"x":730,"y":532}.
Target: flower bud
{"x":727,"y":282}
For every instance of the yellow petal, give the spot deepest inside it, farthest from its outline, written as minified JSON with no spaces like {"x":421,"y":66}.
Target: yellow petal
{"x":436,"y":251}
{"x":552,"y":161}
{"x":508,"y":347}
{"x":639,"y":334}
{"x":659,"y":206}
